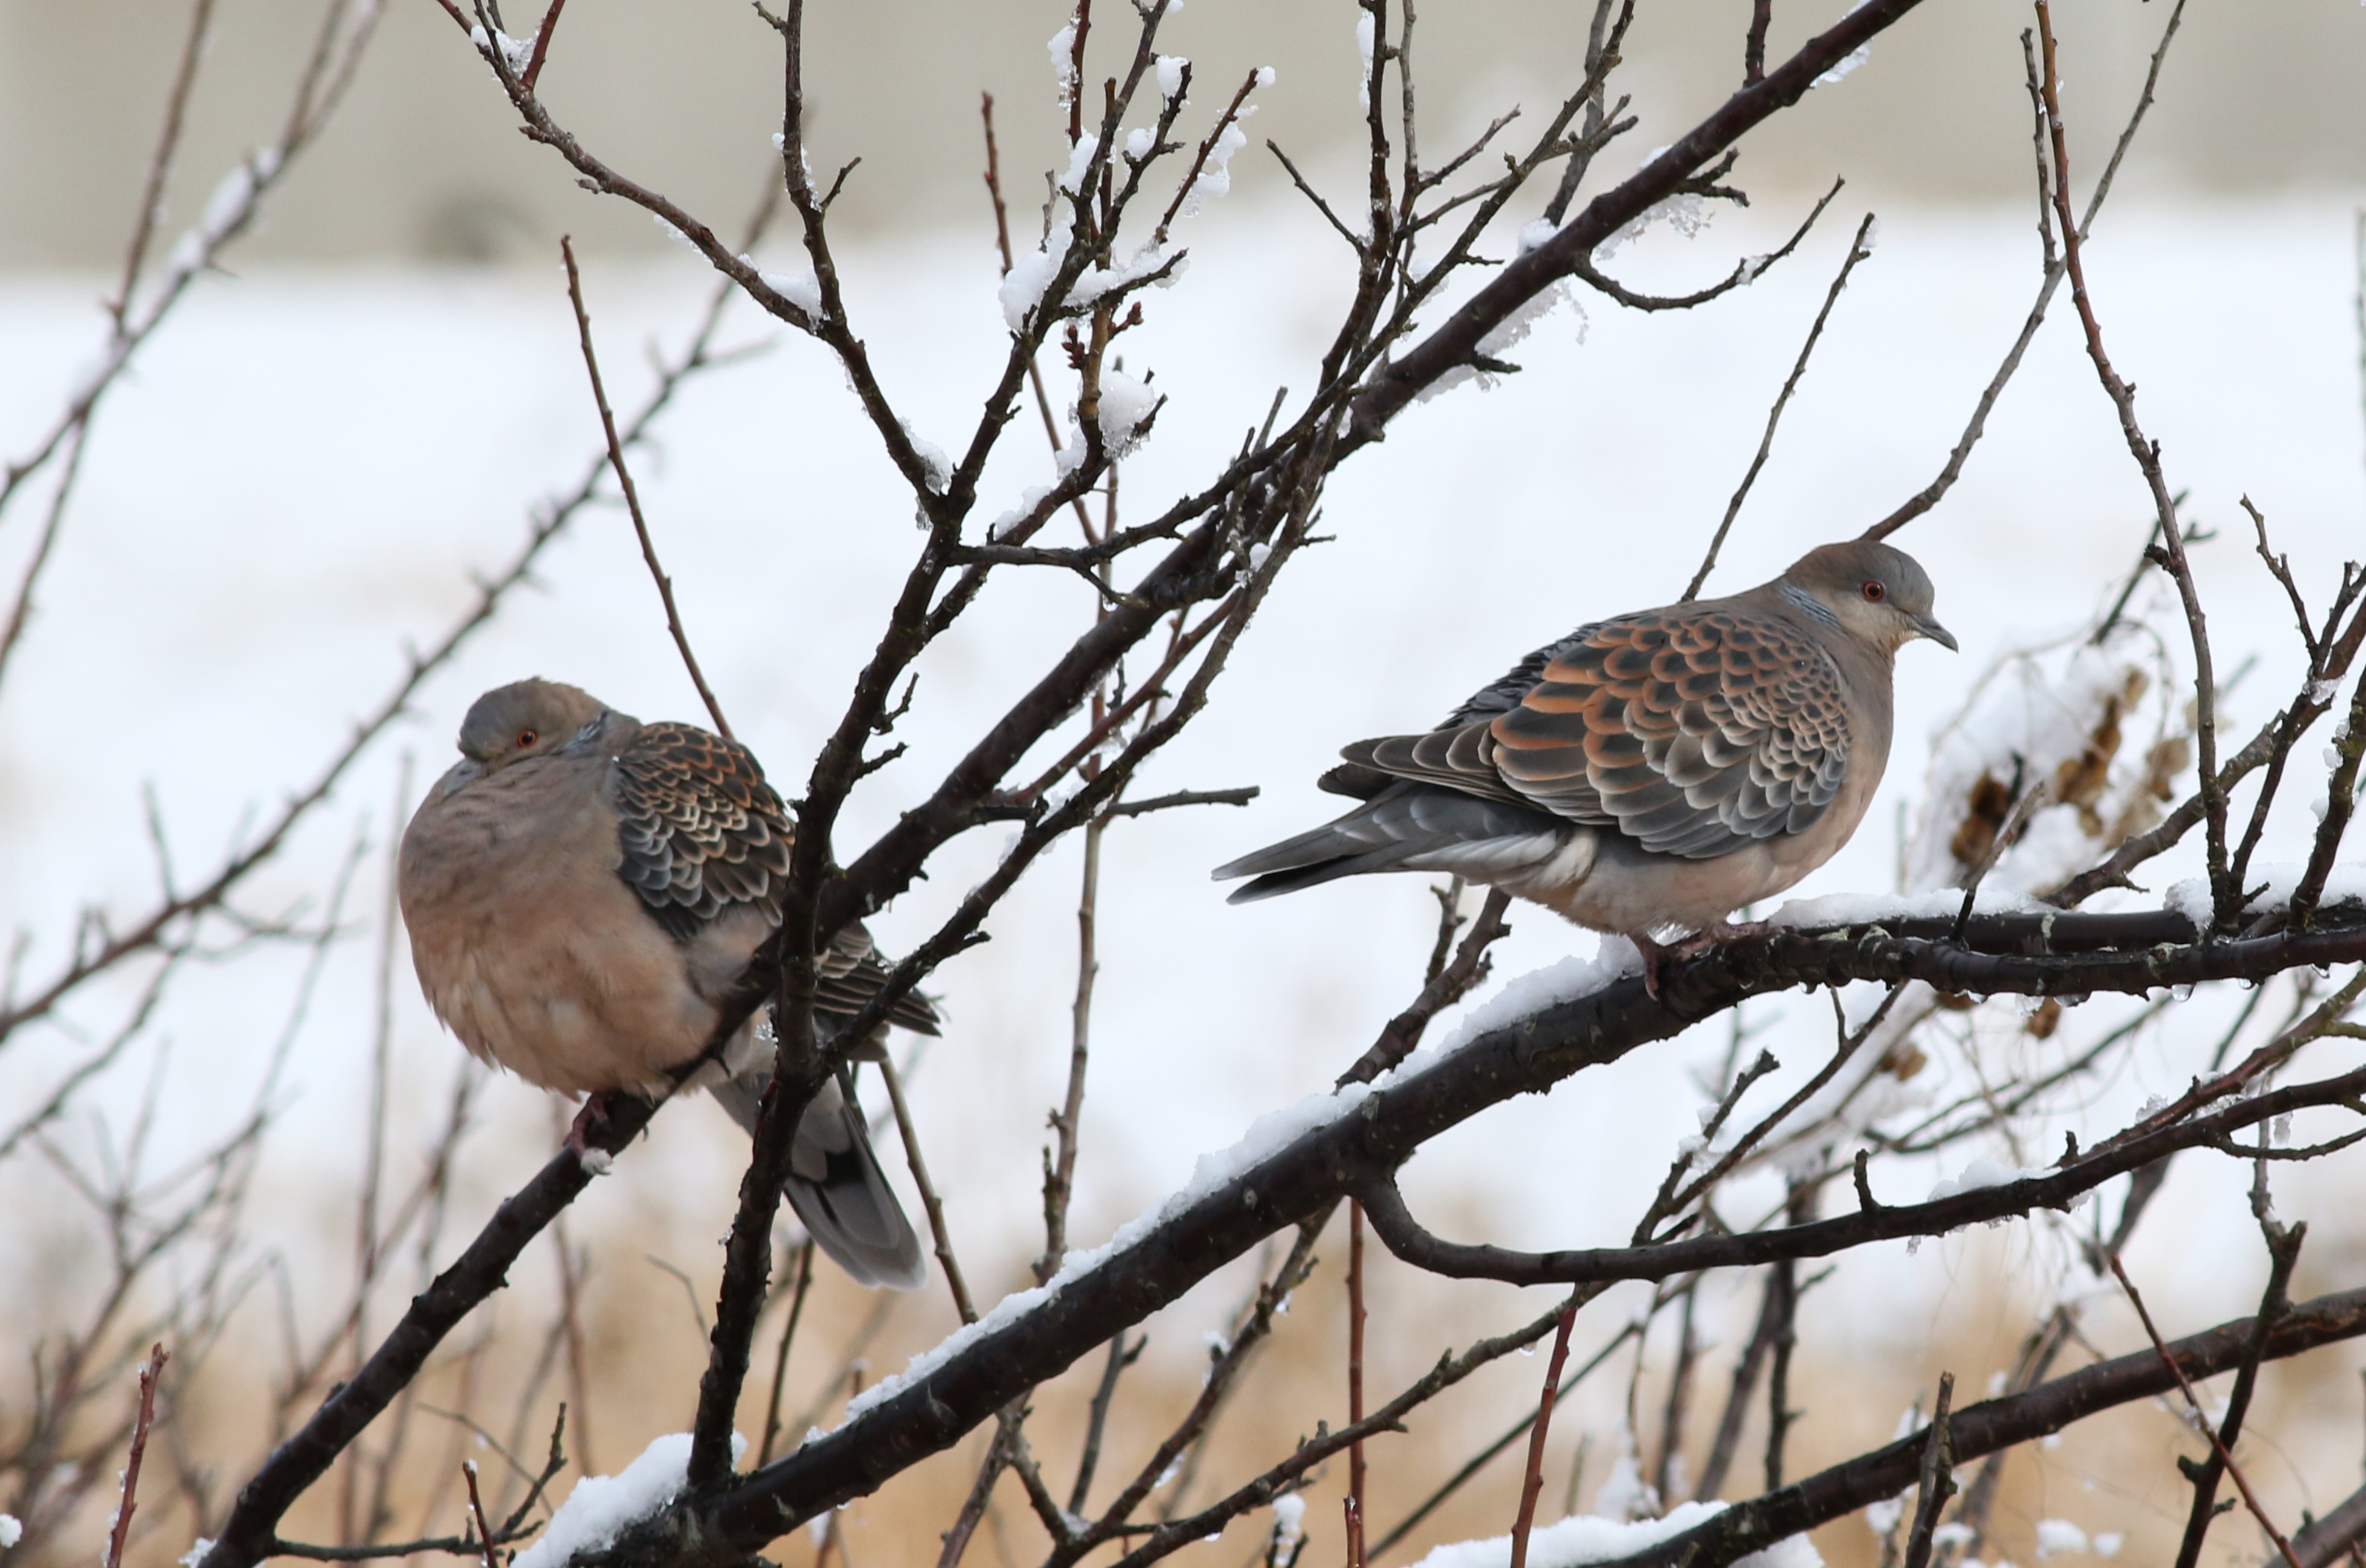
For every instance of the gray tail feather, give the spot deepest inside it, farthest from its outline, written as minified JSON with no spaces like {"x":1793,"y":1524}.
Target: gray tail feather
{"x":1409,"y":826}
{"x":836,"y":1186}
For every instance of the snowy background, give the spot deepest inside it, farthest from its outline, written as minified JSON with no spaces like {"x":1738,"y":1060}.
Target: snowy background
{"x":305,"y":469}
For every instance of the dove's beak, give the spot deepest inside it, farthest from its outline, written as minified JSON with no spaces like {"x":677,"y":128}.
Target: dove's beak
{"x":1935,"y":632}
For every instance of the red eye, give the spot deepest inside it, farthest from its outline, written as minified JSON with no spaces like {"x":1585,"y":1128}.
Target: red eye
{"x":1875,"y":592}
{"x":528,"y":737}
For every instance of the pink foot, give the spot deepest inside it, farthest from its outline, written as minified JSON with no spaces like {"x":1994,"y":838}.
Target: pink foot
{"x":587,"y":1124}
{"x":1656,"y":954}
{"x":1653,"y":953}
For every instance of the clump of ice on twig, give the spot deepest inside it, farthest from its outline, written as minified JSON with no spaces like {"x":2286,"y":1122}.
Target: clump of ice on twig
{"x":1851,"y":60}
{"x":1289,"y":1522}
{"x":1364,"y":54}
{"x":1170,"y":76}
{"x":600,"y":1507}
{"x":1029,"y":501}
{"x":1126,"y":406}
{"x":1063,"y":51}
{"x":1848,"y":62}
{"x":800,"y":288}
{"x":516,"y":53}
{"x":1509,"y":331}
{"x":1216,"y":174}
{"x":1981,"y":1174}
{"x":938,"y":468}
{"x":1081,"y":159}
{"x":1030,"y":276}
{"x":1686,"y":213}
{"x":231,"y":203}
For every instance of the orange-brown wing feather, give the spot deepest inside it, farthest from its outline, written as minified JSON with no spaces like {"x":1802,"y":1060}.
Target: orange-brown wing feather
{"x":1694,"y":733}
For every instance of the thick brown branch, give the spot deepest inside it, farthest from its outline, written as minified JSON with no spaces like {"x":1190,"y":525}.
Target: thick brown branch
{"x":1996,"y":1424}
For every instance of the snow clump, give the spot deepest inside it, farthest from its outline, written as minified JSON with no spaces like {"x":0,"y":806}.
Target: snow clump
{"x":600,"y":1507}
{"x":1126,"y":406}
{"x":1583,"y":1539}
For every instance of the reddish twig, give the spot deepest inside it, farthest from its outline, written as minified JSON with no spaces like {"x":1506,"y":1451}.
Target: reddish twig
{"x":2225,"y":898}
{"x":2201,"y":1420}
{"x":542,"y":44}
{"x":477,"y":1511}
{"x":122,"y":1529}
{"x":1354,"y":1500}
{"x":1535,"y":1480}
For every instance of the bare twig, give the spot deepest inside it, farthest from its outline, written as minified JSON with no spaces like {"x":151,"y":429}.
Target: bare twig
{"x":2194,"y":1403}
{"x":929,"y":1202}
{"x":120,"y":1529}
{"x":1938,"y":1478}
{"x":1859,"y":249}
{"x":624,"y":474}
{"x":1354,"y":1503}
{"x":2225,"y":898}
{"x":803,"y":1273}
{"x":1952,"y":469}
{"x":1533,"y":1483}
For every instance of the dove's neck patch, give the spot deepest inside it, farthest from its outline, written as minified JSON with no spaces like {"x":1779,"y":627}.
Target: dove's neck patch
{"x":1811,"y":606}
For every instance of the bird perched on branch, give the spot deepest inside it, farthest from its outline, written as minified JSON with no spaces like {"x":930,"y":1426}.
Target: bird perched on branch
{"x":1648,"y":773}
{"x":582,"y":890}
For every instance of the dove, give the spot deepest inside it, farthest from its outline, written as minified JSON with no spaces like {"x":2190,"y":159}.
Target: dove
{"x":1647,"y":774}
{"x":581,"y":890}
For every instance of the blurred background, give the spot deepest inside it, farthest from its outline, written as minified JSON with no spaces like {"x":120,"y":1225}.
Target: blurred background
{"x":305,"y":469}
{"x":425,"y":166}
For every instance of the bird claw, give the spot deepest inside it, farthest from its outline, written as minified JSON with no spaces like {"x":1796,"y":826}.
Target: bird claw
{"x":1656,"y":954}
{"x":590,"y":1122}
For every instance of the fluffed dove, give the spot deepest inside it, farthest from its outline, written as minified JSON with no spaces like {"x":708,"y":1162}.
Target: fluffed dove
{"x":1648,"y":773}
{"x":582,"y":888}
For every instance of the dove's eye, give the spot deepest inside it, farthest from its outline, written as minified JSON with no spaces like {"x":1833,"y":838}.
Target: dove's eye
{"x":526,"y":738}
{"x":1875,"y":592}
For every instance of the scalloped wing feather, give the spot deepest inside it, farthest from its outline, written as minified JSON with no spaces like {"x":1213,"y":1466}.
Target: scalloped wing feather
{"x":702,"y":832}
{"x":1694,"y":731}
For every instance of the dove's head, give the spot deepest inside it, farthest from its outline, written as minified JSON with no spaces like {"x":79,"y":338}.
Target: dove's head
{"x":525,"y":718}
{"x":1878,"y":595}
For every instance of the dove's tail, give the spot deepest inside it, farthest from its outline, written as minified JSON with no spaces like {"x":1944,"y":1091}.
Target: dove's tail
{"x":836,"y":1186}
{"x":1407,"y":827}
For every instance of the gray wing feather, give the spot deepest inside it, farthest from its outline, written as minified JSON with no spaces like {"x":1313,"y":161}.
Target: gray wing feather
{"x":1408,"y":827}
{"x":836,"y":1186}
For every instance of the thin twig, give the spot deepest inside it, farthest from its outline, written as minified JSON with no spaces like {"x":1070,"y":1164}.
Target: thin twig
{"x":624,"y":475}
{"x":1938,"y":1478}
{"x":2225,"y":900}
{"x":1858,"y":250}
{"x":929,"y":1202}
{"x":1354,"y":1503}
{"x":1976,"y":426}
{"x":1534,"y":1481}
{"x":2200,"y":1417}
{"x":120,"y":1529}
{"x":477,"y":1511}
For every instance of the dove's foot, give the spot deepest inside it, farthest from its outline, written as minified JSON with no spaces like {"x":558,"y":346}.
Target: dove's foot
{"x":588,"y":1123}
